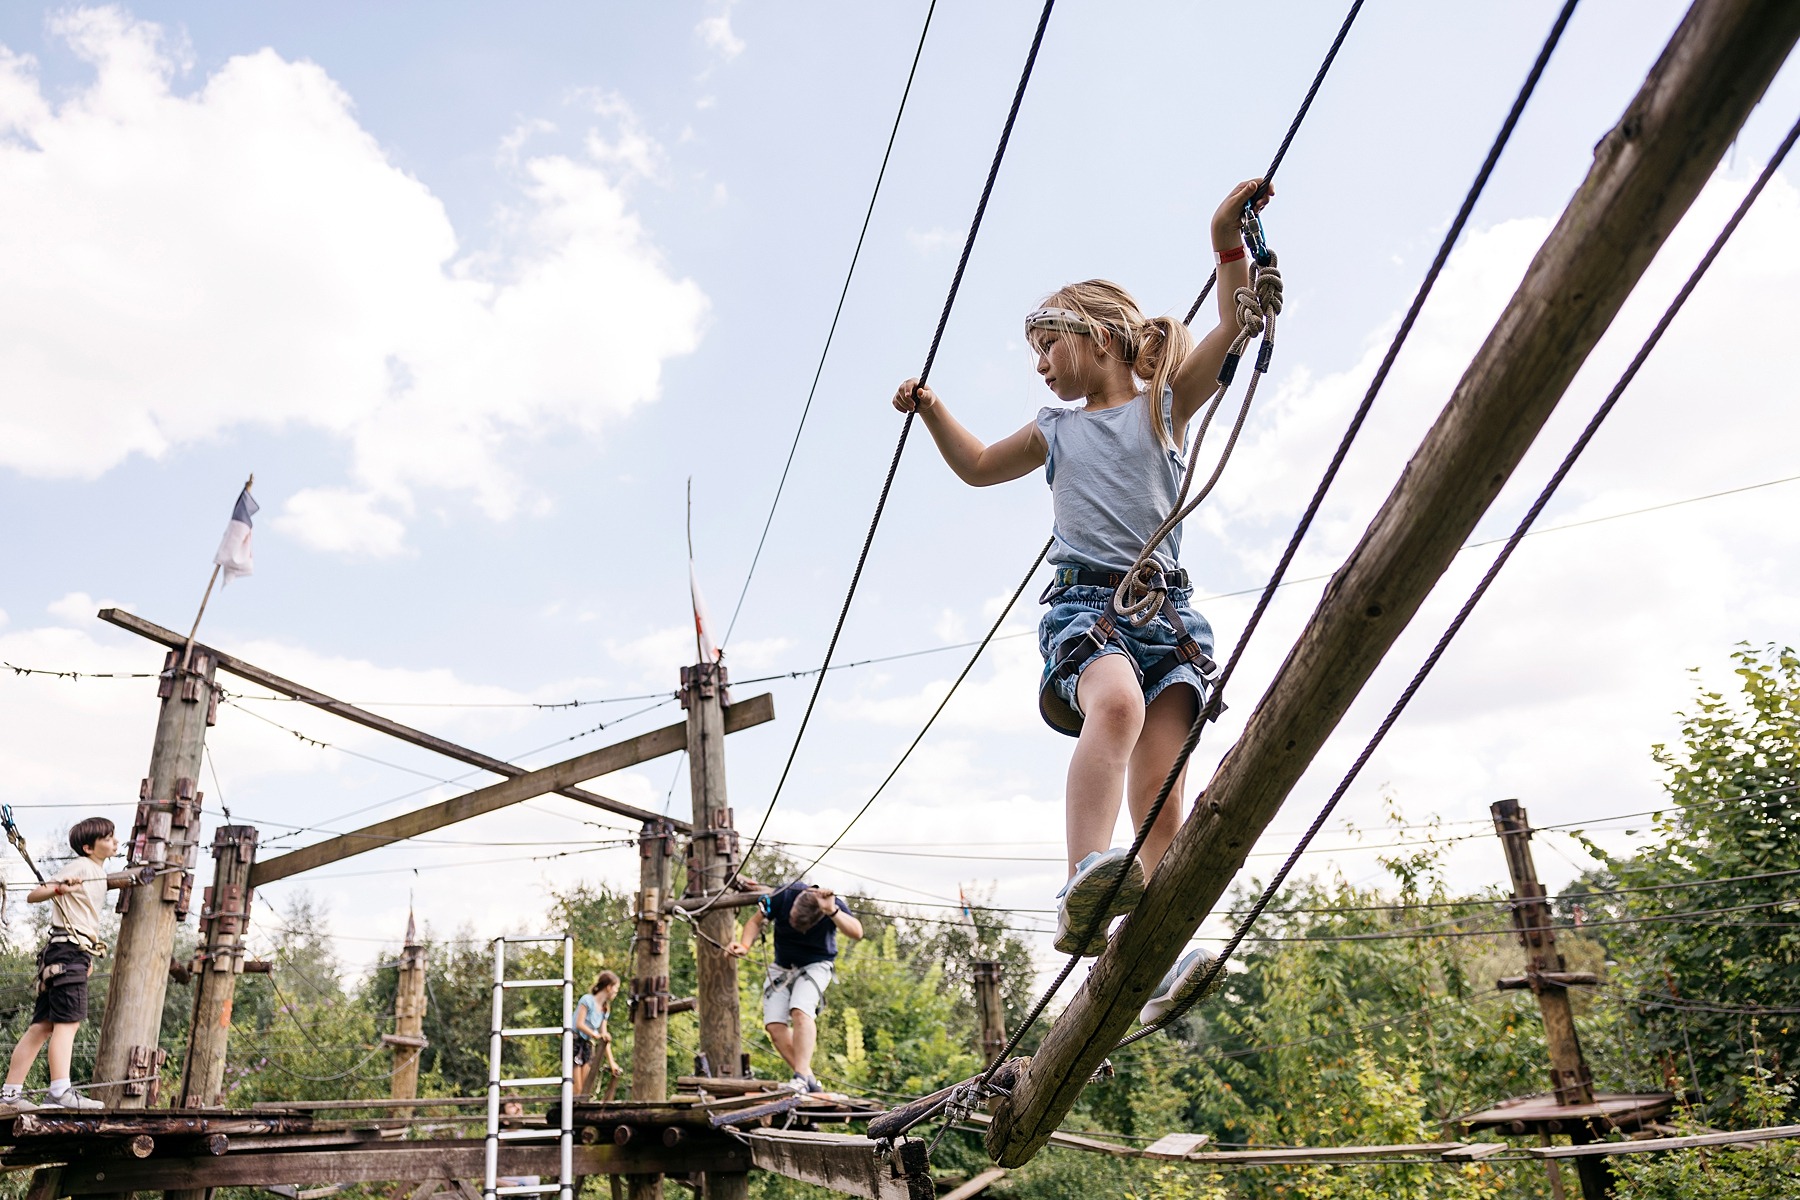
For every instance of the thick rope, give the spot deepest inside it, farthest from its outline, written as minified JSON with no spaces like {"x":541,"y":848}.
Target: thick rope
{"x":843,"y":294}
{"x":937,"y":338}
{"x":1215,"y":703}
{"x":1140,"y":594}
{"x":1217,"y":967}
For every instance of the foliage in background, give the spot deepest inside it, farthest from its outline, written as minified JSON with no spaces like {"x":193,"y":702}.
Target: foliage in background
{"x":1691,"y":984}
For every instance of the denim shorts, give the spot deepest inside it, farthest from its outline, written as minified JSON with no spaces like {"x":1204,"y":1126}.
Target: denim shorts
{"x":1073,"y":611}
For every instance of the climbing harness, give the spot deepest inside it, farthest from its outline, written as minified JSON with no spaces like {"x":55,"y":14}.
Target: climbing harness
{"x":1141,"y":592}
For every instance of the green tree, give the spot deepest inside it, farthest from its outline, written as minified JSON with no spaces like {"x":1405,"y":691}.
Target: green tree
{"x":1704,"y":957}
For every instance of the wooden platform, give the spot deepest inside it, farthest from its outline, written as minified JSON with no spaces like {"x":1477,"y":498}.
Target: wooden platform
{"x":1541,"y":1114}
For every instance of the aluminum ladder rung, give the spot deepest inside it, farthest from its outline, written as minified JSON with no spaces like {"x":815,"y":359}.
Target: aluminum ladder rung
{"x":561,"y":1133}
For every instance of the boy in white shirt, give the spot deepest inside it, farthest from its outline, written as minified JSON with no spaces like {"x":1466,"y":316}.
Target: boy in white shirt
{"x":76,"y":893}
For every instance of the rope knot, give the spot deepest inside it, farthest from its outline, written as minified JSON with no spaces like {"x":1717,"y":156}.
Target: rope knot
{"x":1268,"y":288}
{"x":1140,"y":594}
{"x":1249,"y":313}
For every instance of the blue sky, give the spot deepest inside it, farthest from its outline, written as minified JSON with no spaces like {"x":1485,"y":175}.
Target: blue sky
{"x":476,"y":292}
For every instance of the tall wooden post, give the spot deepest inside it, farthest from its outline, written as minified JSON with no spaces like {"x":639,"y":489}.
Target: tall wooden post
{"x":408,"y":1038}
{"x":650,"y":982}
{"x":989,"y":1009}
{"x":165,"y":835}
{"x":1546,"y":975}
{"x":224,"y":919}
{"x":713,"y":860}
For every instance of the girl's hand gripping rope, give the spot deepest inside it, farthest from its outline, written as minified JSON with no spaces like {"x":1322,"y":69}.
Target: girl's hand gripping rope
{"x":913,"y":396}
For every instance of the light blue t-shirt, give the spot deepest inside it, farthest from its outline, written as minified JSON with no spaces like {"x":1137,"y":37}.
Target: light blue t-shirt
{"x":596,"y":1015}
{"x":1111,"y":484}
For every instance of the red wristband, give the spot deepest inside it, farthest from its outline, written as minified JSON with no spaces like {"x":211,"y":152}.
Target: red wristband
{"x":1228,"y":256}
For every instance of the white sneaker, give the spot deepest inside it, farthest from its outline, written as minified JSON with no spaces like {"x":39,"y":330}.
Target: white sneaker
{"x":15,"y":1104}
{"x":72,"y":1099}
{"x":1078,"y":904}
{"x":798,"y":1083}
{"x":1177,"y":986}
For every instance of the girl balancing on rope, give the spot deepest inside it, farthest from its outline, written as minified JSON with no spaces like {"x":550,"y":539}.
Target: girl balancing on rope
{"x":1128,"y":693}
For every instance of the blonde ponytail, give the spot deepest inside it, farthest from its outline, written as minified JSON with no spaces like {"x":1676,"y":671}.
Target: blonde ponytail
{"x":1154,"y":346}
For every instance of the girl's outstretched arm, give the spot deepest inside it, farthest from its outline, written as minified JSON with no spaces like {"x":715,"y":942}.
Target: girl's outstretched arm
{"x":1012,"y":457}
{"x":1198,"y":374}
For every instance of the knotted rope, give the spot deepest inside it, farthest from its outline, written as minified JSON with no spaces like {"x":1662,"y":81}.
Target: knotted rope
{"x":1140,"y":594}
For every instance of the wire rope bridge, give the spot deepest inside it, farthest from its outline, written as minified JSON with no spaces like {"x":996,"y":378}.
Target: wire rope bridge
{"x":1647,"y":171}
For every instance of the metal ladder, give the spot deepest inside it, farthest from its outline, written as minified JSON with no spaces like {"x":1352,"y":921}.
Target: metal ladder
{"x":564,"y":1185}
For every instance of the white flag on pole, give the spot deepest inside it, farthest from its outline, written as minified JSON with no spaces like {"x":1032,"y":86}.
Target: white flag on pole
{"x":703,"y":638}
{"x":234,"y":548}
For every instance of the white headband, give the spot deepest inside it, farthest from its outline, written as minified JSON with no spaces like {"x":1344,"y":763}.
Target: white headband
{"x":1060,"y":319}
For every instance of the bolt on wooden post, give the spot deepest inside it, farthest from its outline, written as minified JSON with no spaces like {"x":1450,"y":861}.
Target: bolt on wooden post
{"x":1546,"y":974}
{"x":650,"y":983}
{"x":165,"y":835}
{"x":712,"y":866}
{"x":408,"y":1038}
{"x":224,"y":920}
{"x":989,"y":1008}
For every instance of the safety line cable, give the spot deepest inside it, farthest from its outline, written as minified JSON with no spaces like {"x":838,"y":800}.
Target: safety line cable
{"x":937,"y":338}
{"x":830,"y":333}
{"x":1288,"y":138}
{"x":935,"y":713}
{"x":1312,"y":509}
{"x":1217,"y":966}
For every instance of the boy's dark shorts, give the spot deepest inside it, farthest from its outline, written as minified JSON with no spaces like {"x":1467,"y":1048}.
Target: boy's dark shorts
{"x":584,"y":1051}
{"x":62,"y":997}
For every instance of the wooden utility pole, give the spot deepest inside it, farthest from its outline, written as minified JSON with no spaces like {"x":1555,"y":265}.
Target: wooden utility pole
{"x":650,"y":982}
{"x":1547,"y":976}
{"x":224,"y":920}
{"x":408,"y":1038}
{"x":989,"y":1009}
{"x":165,"y":836}
{"x":1646,"y":173}
{"x":712,"y":865}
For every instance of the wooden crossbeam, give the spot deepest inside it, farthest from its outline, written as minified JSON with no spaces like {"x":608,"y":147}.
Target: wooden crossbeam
{"x":1741,"y":1137}
{"x":845,"y":1163}
{"x":350,"y":712}
{"x":742,"y":715}
{"x":447,"y":1160}
{"x":1646,"y":173}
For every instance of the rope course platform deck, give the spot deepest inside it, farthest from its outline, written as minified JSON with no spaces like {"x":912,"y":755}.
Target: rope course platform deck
{"x":1542,"y":1114}
{"x":756,"y":1125}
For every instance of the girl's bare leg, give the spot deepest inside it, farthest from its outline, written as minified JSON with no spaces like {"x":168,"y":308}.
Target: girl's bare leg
{"x":62,"y":1046}
{"x":1112,"y":707}
{"x":1166,"y":725}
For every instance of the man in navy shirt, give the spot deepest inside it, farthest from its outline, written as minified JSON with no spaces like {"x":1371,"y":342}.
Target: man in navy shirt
{"x":807,"y":921}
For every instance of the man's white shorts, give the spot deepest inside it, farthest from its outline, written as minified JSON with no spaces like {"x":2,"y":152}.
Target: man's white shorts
{"x":788,"y":988}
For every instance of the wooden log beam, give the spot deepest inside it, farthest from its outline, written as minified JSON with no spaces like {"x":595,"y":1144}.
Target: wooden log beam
{"x":444,"y":1160}
{"x":1741,"y":1137}
{"x":350,"y":712}
{"x":670,"y":738}
{"x":1646,"y":173}
{"x":844,"y":1163}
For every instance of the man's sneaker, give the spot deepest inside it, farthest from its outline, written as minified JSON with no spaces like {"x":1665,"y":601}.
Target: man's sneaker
{"x":1178,"y":986}
{"x":1078,"y":904}
{"x":798,"y":1083}
{"x":72,"y":1099}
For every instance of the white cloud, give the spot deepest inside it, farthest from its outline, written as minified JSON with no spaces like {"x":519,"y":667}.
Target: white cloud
{"x":342,"y":521}
{"x":78,"y":608}
{"x":246,"y":254}
{"x":931,"y":241}
{"x":716,"y":32}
